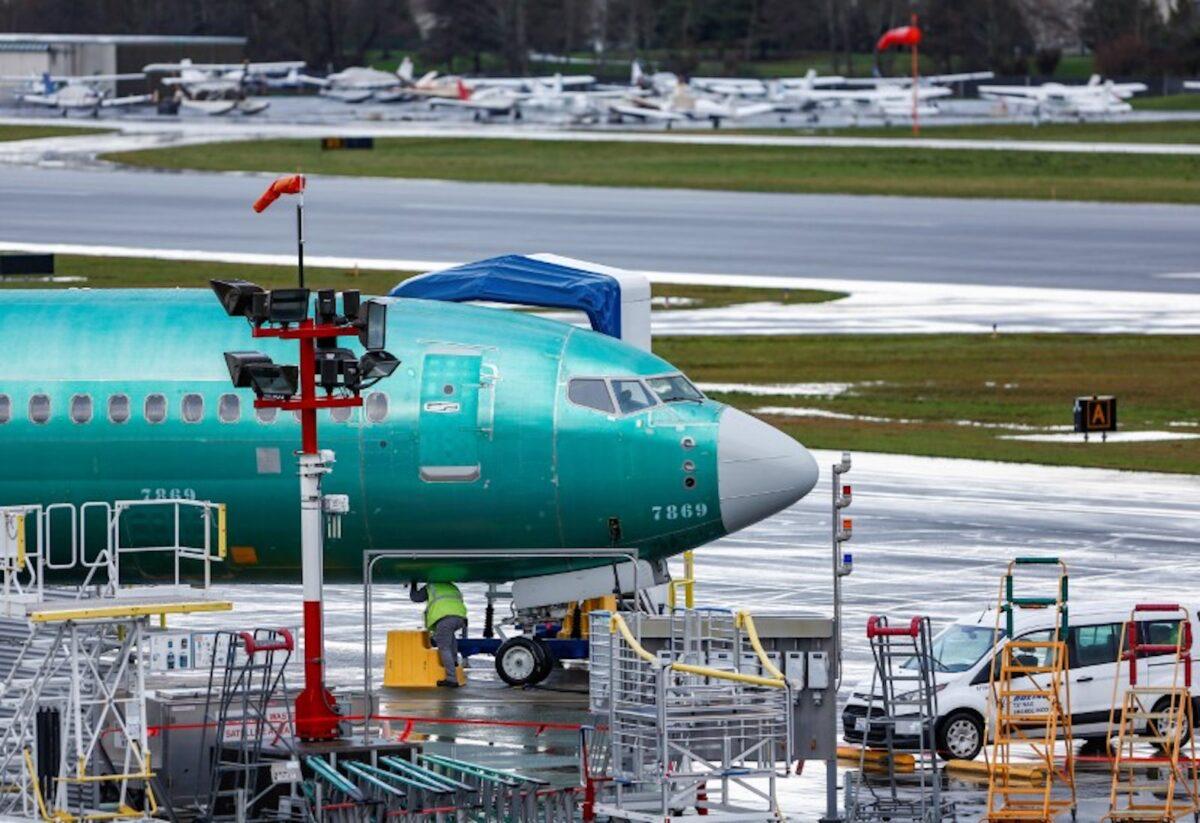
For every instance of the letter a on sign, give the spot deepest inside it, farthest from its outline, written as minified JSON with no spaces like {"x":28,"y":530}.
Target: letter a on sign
{"x":1099,"y":416}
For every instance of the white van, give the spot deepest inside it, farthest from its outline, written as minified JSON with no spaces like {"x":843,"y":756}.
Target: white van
{"x":963,"y":655}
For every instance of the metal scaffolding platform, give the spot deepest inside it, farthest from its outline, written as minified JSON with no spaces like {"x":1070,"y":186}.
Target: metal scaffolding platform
{"x":708,"y":716}
{"x":73,"y":658}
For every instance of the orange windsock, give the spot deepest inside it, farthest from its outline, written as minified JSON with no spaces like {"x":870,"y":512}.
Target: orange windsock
{"x":288,"y":184}
{"x":902,"y":36}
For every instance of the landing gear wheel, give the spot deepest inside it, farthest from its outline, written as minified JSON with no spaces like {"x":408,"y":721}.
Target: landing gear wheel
{"x":520,"y":661}
{"x":548,"y":661}
{"x":960,"y":736}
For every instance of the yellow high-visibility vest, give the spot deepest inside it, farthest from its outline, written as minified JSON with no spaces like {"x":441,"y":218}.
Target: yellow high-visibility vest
{"x":445,"y":600}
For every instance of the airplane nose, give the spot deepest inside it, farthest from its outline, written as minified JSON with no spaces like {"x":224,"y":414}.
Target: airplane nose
{"x":760,"y":470}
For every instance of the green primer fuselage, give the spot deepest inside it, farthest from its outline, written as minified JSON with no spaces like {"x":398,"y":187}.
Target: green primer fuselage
{"x":480,"y":447}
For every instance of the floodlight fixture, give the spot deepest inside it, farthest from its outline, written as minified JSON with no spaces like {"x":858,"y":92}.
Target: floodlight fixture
{"x":239,"y":362}
{"x":331,"y":366}
{"x":376,"y":365}
{"x":326,"y":306}
{"x":372,"y":325}
{"x":351,"y":303}
{"x":235,"y":295}
{"x":287,"y":305}
{"x":273,"y":381}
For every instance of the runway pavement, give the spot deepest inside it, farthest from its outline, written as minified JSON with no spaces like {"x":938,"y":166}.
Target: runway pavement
{"x":1012,"y":243}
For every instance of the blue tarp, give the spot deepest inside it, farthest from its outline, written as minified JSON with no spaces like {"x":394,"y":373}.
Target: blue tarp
{"x":525,"y":281}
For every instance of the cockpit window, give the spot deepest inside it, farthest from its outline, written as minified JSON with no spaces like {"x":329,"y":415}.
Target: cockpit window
{"x":591,"y":393}
{"x":673,"y":388}
{"x":632,"y":396}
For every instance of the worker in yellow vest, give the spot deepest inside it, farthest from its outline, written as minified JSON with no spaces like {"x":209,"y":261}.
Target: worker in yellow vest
{"x":445,"y":616}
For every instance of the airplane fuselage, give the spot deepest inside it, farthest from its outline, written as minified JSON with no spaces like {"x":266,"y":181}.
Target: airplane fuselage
{"x":499,"y":430}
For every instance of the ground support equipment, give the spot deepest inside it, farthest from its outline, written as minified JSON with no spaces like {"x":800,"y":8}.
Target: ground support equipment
{"x":1030,"y":709}
{"x":1158,"y":713}
{"x":689,"y":725}
{"x":902,"y":704}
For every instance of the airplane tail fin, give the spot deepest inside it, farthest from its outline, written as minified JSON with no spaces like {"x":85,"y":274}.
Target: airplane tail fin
{"x":635,"y":73}
{"x":810,"y":78}
{"x":1094,"y":80}
{"x":405,"y":71}
{"x":464,"y":93}
{"x":558,"y":83}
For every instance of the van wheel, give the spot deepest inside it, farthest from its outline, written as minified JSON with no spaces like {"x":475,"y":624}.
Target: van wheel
{"x":520,"y":661}
{"x":960,"y":736}
{"x":1164,"y":705}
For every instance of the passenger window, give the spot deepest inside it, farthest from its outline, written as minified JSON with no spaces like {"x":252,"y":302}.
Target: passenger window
{"x":5,"y":408}
{"x":376,"y":406}
{"x":229,"y":408}
{"x":39,"y":408}
{"x":193,"y":408}
{"x":1159,"y":632}
{"x":81,"y":408}
{"x":340,"y":414}
{"x":591,"y":393}
{"x":155,"y":408}
{"x":632,"y":396}
{"x":267,"y":415}
{"x":118,"y":408}
{"x":1094,"y":645}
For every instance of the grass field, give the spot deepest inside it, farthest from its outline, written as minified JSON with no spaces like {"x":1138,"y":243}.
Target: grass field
{"x":1171,"y":131}
{"x":919,"y":172}
{"x":34,"y":132}
{"x":943,"y":384}
{"x":139,"y":273}
{"x":1185,"y":101}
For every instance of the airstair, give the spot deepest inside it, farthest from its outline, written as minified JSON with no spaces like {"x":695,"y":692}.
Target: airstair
{"x":902,"y":707}
{"x":1030,"y":707}
{"x":706,"y":724}
{"x":1156,"y":713}
{"x":73,"y":740}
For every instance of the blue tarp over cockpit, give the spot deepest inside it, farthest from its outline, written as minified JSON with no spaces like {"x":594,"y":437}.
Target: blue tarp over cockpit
{"x":540,"y":280}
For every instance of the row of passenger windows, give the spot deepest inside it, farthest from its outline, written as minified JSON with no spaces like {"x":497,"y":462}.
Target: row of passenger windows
{"x":119,"y":409}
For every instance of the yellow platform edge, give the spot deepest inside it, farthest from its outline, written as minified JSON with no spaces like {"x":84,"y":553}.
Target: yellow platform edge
{"x":130,"y":610}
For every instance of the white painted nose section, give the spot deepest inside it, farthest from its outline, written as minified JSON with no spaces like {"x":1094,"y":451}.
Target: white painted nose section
{"x":760,"y":470}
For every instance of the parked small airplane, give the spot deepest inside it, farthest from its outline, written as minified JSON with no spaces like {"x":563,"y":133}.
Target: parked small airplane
{"x":1191,"y":85}
{"x":1097,"y":98}
{"x":685,"y":105}
{"x":67,"y":93}
{"x":220,"y":88}
{"x":887,"y":102}
{"x":749,"y":87}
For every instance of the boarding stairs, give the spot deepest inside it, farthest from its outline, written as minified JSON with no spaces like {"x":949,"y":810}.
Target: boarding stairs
{"x":1030,"y":708}
{"x":1162,"y":787}
{"x":707,"y":716}
{"x":73,"y":657}
{"x":903,"y":704}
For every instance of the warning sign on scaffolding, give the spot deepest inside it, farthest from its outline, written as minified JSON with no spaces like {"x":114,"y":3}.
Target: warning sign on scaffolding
{"x":1097,"y":413}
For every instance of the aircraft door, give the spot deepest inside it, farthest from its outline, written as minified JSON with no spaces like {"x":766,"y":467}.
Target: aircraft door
{"x":449,"y":427}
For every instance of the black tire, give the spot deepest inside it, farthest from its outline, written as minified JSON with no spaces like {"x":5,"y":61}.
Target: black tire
{"x":519,"y":660}
{"x":548,"y":661}
{"x":960,"y":735}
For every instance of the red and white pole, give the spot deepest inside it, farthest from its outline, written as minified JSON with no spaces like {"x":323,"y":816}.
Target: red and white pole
{"x":317,"y":717}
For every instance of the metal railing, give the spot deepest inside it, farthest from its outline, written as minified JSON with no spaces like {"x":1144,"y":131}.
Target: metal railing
{"x":38,"y":551}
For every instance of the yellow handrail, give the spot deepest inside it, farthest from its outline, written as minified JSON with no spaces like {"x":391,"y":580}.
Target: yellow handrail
{"x":618,"y":623}
{"x":36,"y":783}
{"x":745,"y":621}
{"x":687,"y":583}
{"x":221,"y":531}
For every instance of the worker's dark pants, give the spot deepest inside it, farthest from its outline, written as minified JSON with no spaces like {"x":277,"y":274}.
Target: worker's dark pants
{"x":445,"y":635}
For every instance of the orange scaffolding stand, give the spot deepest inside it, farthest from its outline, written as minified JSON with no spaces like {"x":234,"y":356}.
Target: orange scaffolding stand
{"x":1031,"y":706}
{"x":1157,"y":713}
